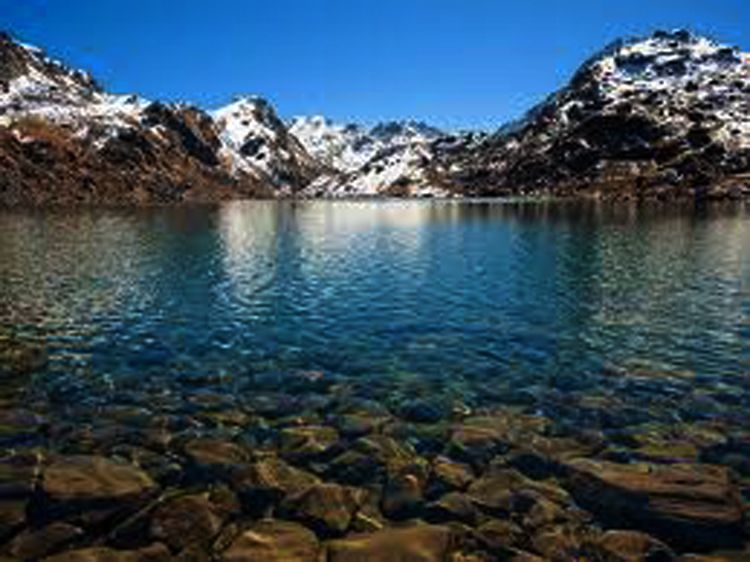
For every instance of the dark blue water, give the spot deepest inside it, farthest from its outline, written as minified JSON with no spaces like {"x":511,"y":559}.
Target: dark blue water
{"x":477,"y":300}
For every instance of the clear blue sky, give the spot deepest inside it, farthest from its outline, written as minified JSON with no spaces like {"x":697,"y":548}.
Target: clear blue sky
{"x":454,"y":63}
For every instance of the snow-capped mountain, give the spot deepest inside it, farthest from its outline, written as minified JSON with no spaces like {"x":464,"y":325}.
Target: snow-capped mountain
{"x":63,"y":139}
{"x":256,"y":142}
{"x":347,"y":147}
{"x":666,"y":116}
{"x":387,"y":159}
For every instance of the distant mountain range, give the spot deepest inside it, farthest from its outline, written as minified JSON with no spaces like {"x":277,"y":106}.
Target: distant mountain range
{"x":666,"y":116}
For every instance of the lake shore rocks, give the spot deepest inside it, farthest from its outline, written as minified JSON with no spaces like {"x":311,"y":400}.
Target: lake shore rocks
{"x":341,"y":478}
{"x":690,"y":505}
{"x":92,"y":478}
{"x":274,"y":541}
{"x":421,"y":543}
{"x":326,"y":508}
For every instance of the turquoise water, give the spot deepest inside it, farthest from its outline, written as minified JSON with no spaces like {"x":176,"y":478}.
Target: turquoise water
{"x":470,"y":303}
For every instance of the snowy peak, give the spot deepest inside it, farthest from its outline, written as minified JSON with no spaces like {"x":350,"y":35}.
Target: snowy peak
{"x":348,"y":147}
{"x":27,"y":69}
{"x":257,"y":143}
{"x":665,"y":55}
{"x":667,"y":115}
{"x":343,"y":147}
{"x":403,"y":132}
{"x":247,"y":119}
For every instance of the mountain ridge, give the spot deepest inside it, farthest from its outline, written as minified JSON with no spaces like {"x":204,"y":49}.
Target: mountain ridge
{"x":664,"y":116}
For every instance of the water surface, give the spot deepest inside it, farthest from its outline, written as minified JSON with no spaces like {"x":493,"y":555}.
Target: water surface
{"x":474,"y":303}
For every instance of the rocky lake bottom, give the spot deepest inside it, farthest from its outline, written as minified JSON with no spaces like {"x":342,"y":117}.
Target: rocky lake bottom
{"x":375,"y":381}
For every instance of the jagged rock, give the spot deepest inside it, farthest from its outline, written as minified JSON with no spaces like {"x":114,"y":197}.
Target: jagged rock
{"x":369,"y":458}
{"x":403,"y":495}
{"x":501,"y":535}
{"x":562,"y":543}
{"x":273,"y":541}
{"x":448,"y":475}
{"x":215,"y":457}
{"x":505,"y":491}
{"x":633,"y":546}
{"x":186,"y":521}
{"x":690,"y":505}
{"x":268,"y":481}
{"x":92,"y":478}
{"x":453,"y":506}
{"x":327,"y":508}
{"x":477,"y":440}
{"x":423,"y":543}
{"x":307,"y":442}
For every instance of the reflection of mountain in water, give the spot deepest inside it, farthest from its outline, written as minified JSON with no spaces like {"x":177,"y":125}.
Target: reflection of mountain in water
{"x":446,"y":289}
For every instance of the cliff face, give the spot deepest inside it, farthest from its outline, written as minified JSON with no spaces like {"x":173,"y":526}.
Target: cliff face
{"x":667,"y":116}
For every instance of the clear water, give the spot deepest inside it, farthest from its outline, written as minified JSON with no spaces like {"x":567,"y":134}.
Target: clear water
{"x":477,"y":302}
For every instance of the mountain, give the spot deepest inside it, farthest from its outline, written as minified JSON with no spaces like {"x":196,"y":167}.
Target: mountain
{"x":256,"y":142}
{"x":387,"y":159}
{"x":64,"y":140}
{"x":665,"y":116}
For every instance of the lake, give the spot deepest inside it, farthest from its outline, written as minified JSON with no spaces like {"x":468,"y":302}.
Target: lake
{"x":625,"y":325}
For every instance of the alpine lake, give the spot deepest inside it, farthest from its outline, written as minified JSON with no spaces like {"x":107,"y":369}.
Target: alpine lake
{"x":376,"y":381}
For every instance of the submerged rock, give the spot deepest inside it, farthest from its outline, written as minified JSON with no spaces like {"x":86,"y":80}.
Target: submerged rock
{"x":307,"y":442}
{"x":633,"y":546}
{"x":12,"y":517}
{"x":370,"y":458}
{"x":274,"y":541}
{"x":403,"y":496}
{"x":92,"y":478}
{"x":268,"y":481}
{"x":448,"y":475}
{"x":186,"y":521}
{"x":505,"y":491}
{"x":214,"y":458}
{"x":690,"y":505}
{"x":18,"y":475}
{"x":37,"y":543}
{"x":453,"y":506}
{"x":89,"y":490}
{"x":327,"y":508}
{"x":422,"y":543}
{"x":154,"y":553}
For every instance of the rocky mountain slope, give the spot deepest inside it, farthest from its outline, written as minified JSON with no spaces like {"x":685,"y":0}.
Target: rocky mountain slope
{"x":665,"y":116}
{"x":388,"y":159}
{"x":64,"y":140}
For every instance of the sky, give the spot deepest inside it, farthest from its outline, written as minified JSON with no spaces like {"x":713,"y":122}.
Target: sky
{"x":457,"y":64}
